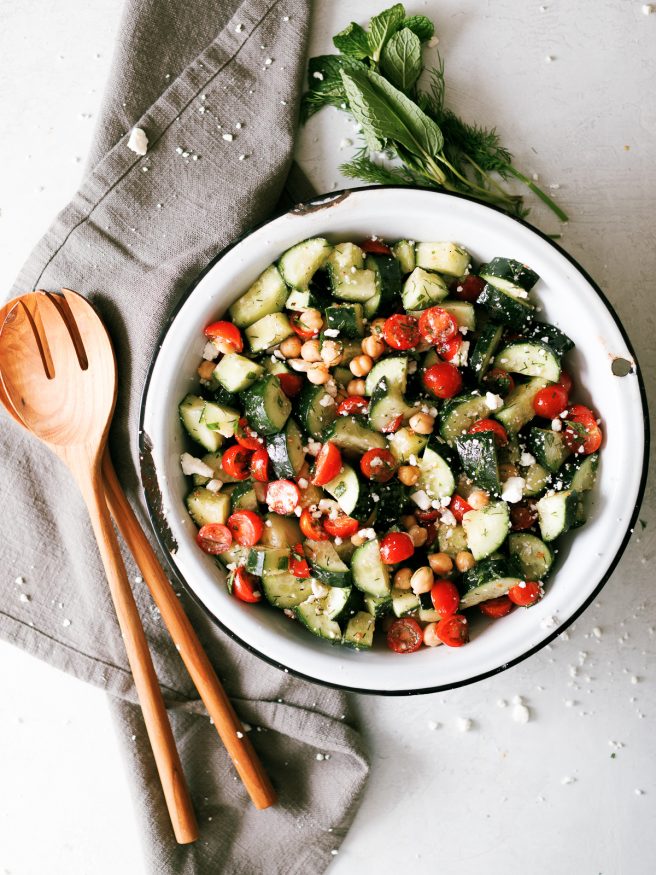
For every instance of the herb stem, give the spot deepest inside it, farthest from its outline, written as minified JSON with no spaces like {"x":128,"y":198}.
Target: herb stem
{"x":544,"y":197}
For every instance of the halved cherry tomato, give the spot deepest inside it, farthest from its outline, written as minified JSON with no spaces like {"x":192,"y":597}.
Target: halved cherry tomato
{"x":396,"y":547}
{"x":291,"y":384}
{"x":453,"y":631}
{"x":499,"y":432}
{"x":431,"y":533}
{"x":499,"y":381}
{"x":312,"y":527}
{"x":227,"y":336}
{"x":522,"y":517}
{"x":526,"y":593}
{"x":260,"y":466}
{"x":298,"y":565}
{"x":467,"y":288}
{"x":246,"y":527}
{"x":496,"y":608}
{"x":378,"y":465}
{"x":405,"y":635}
{"x":352,"y":404}
{"x":283,"y":496}
{"x":236,"y":461}
{"x":393,"y":425}
{"x":247,"y":436}
{"x":427,"y":516}
{"x":327,"y":465}
{"x":245,"y":586}
{"x":301,"y":328}
{"x":214,"y":538}
{"x":550,"y":401}
{"x":341,"y":526}
{"x":582,"y":431}
{"x":445,"y":597}
{"x":442,"y":380}
{"x":376,"y":247}
{"x":565,"y":381}
{"x":401,"y":332}
{"x":459,"y":507}
{"x":436,"y":326}
{"x":450,"y":348}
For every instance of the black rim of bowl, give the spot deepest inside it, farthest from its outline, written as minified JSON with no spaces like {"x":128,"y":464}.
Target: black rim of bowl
{"x":308,"y":206}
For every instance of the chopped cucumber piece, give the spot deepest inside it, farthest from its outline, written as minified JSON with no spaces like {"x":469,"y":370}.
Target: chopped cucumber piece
{"x":316,"y":409}
{"x":267,"y":295}
{"x":388,"y":279}
{"x":530,"y":358}
{"x":534,"y":556}
{"x":486,"y":345}
{"x":345,"y":489}
{"x":300,"y":301}
{"x":536,"y":478}
{"x":243,"y":497}
{"x":548,"y":447}
{"x":378,"y":606}
{"x":283,"y":590}
{"x":359,"y":632}
{"x":326,"y":564}
{"x":436,"y":477}
{"x":313,"y":618}
{"x":268,"y":332}
{"x":269,"y":560}
{"x":300,"y":263}
{"x":581,"y":476}
{"x":478,"y":454}
{"x":517,"y":408}
{"x":191,"y":411}
{"x":486,"y":529}
{"x":504,"y":308}
{"x":337,"y":604}
{"x":405,"y":443}
{"x":487,"y":580}
{"x":286,"y":451}
{"x":385,"y":406}
{"x":207,"y":507}
{"x":404,"y":251}
{"x":511,"y":276}
{"x":266,"y":407}
{"x":460,"y":413}
{"x":358,"y":286}
{"x":344,"y":258}
{"x":463,"y":312}
{"x":370,"y":574}
{"x":423,"y":289}
{"x":451,"y":539}
{"x":281,"y":531}
{"x":345,"y":318}
{"x":349,"y":433}
{"x":559,"y":342}
{"x":557,"y":513}
{"x":404,"y":602}
{"x":218,"y":417}
{"x":236,"y":372}
{"x":448,"y":258}
{"x":394,"y":369}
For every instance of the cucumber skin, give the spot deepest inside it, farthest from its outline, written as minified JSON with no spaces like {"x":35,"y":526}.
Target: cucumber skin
{"x":254,"y":405}
{"x":504,"y":308}
{"x":478,"y":454}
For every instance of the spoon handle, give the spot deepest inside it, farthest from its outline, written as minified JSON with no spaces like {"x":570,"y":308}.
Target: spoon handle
{"x":169,"y":767}
{"x":227,"y":723}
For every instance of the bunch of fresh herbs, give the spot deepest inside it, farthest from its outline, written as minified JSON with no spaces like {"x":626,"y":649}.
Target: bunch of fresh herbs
{"x":376,"y":78}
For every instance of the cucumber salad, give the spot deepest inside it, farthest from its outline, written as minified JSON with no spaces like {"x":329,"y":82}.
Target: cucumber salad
{"x":385,"y":441}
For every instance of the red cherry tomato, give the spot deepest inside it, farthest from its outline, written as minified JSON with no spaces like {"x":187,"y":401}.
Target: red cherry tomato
{"x":298,"y":565}
{"x":427,"y":516}
{"x":522,"y":517}
{"x":499,"y":432}
{"x":405,"y":635}
{"x":291,"y":384}
{"x":550,"y":401}
{"x":341,"y":526}
{"x":436,"y":326}
{"x":453,"y":631}
{"x":301,"y":328}
{"x":582,"y":430}
{"x":468,"y":288}
{"x":375,"y":247}
{"x":227,"y":335}
{"x":260,"y":466}
{"x":246,"y":527}
{"x":445,"y":597}
{"x":245,"y":586}
{"x":247,"y":436}
{"x":496,"y":608}
{"x":565,"y":381}
{"x":442,"y":380}
{"x":327,"y":465}
{"x":312,"y":527}
{"x":378,"y":465}
{"x":282,"y":496}
{"x":236,"y":461}
{"x":396,"y":547}
{"x":450,"y":348}
{"x":393,"y":425}
{"x":353,"y":404}
{"x":401,"y":332}
{"x":214,"y":538}
{"x":499,"y":381}
{"x":526,"y":593}
{"x":459,"y":507}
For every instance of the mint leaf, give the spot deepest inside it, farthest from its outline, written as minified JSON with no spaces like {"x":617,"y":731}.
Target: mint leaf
{"x":326,"y":87}
{"x":382,"y":27}
{"x":421,"y":26}
{"x":400,"y":60}
{"x":353,"y":41}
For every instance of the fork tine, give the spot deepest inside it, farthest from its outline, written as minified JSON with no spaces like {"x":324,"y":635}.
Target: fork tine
{"x":66,"y":313}
{"x":12,"y":331}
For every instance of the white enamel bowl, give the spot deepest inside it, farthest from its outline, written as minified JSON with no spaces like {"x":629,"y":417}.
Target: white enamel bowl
{"x":568,"y":298}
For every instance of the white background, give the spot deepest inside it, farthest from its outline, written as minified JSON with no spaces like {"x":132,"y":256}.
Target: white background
{"x":491,"y":800}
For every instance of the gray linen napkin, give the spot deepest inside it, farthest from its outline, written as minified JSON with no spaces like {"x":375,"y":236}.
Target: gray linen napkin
{"x":134,"y":236}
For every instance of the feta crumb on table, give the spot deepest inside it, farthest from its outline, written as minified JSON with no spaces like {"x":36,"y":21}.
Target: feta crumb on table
{"x":138,"y":141}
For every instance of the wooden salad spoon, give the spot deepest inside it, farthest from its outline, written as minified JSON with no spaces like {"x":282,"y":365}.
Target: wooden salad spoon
{"x":200,"y":669}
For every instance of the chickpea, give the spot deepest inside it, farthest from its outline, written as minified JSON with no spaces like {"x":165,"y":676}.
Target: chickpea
{"x":422,"y":580}
{"x":422,"y":423}
{"x":310,"y":351}
{"x":430,"y":635}
{"x":318,"y":375}
{"x":441,"y":563}
{"x":358,"y":540}
{"x":361,"y":365}
{"x":331,"y":352}
{"x":402,"y":578}
{"x":373,"y":346}
{"x":312,"y":320}
{"x":408,"y":474}
{"x":464,"y":561}
{"x":377,"y":327}
{"x":356,"y":387}
{"x":205,"y":370}
{"x":506,"y":471}
{"x":478,"y":499}
{"x":291,"y":347}
{"x":418,"y":535}
{"x":408,"y":521}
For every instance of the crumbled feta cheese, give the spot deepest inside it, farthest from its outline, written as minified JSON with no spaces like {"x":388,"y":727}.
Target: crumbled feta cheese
{"x":412,"y":366}
{"x":369,"y":534}
{"x":239,"y":734}
{"x":345,"y":143}
{"x":19,"y":581}
{"x":319,"y":589}
{"x":448,"y":518}
{"x":239,"y":28}
{"x":66,"y":622}
{"x":317,"y":75}
{"x":303,"y":483}
{"x":214,"y":485}
{"x":138,"y":141}
{"x":319,"y":757}
{"x":228,"y":137}
{"x":326,"y":401}
{"x":526,"y":459}
{"x":210,"y":352}
{"x":421,"y":499}
{"x":432,"y":724}
{"x":548,"y":623}
{"x":501,"y":703}
{"x":549,"y":59}
{"x":556,"y":425}
{"x":298,"y":510}
{"x":23,"y":597}
{"x":521,"y":714}
{"x":492,"y":401}
{"x":268,"y":62}
{"x":568,"y":779}
{"x":597,"y":632}
{"x":513,"y":489}
{"x":332,"y":332}
{"x":191,"y":465}
{"x":461,"y":358}
{"x":463,"y":724}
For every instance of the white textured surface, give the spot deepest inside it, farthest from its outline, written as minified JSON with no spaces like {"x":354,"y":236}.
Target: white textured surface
{"x":492,"y":799}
